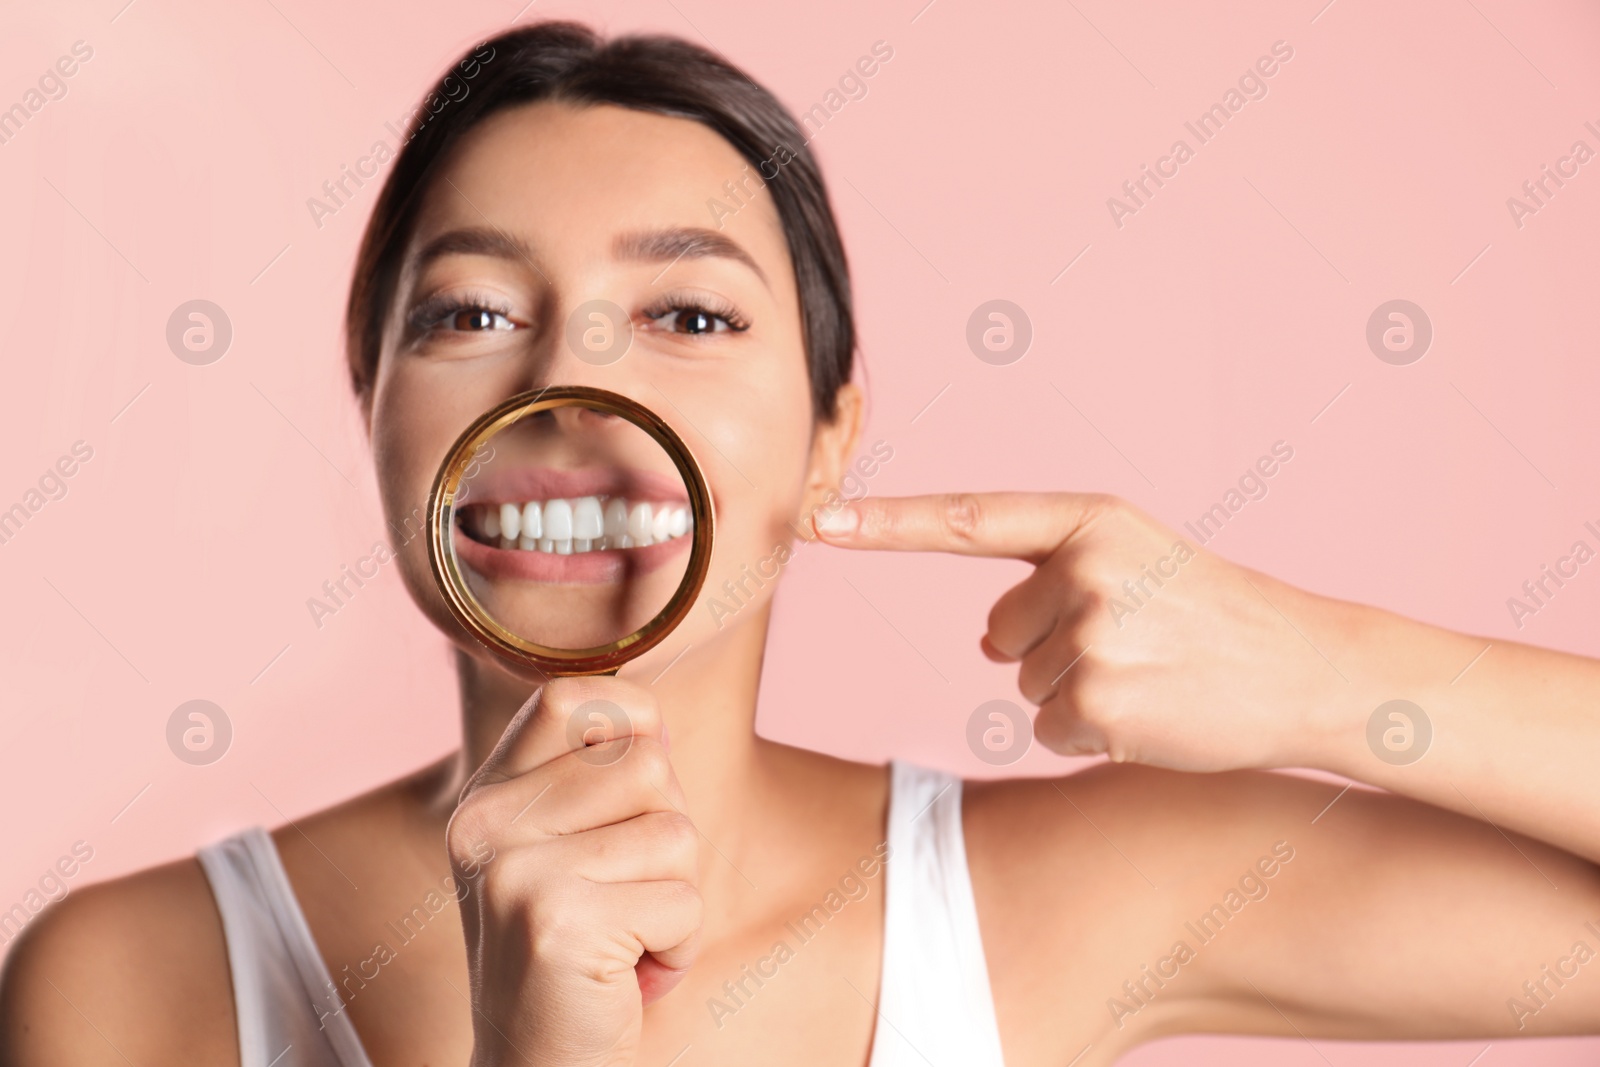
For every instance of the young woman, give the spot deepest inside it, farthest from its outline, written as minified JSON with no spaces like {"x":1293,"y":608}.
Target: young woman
{"x":701,"y":896}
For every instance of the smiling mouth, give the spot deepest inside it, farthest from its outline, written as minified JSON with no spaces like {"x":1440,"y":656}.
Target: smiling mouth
{"x":566,"y":526}
{"x":608,"y":523}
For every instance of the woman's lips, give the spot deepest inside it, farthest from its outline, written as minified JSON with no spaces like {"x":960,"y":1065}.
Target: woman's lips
{"x":516,"y":483}
{"x":585,"y":568}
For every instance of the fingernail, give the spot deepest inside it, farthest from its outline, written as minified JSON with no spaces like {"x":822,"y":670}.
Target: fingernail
{"x":842,"y":521}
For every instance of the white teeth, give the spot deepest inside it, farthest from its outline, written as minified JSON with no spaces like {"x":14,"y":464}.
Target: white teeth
{"x":510,"y":521}
{"x":640,"y":524}
{"x":578,"y":524}
{"x":586,"y":521}
{"x":616,"y":519}
{"x":558,"y":519}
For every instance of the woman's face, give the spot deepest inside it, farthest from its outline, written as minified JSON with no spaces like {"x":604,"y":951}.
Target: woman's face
{"x":540,"y":211}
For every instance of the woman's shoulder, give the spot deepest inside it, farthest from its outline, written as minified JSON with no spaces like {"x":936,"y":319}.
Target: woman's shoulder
{"x":135,"y":969}
{"x":130,"y":969}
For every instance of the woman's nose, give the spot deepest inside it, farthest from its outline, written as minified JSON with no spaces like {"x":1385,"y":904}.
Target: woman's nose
{"x":598,"y":332}
{"x":576,"y":419}
{"x":588,"y":344}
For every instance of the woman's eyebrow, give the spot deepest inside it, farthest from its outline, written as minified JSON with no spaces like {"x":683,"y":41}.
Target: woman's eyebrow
{"x":664,"y":245}
{"x":474,"y":241}
{"x":674,"y":243}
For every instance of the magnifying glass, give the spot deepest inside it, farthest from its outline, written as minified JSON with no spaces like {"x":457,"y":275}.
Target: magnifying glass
{"x":570,"y":530}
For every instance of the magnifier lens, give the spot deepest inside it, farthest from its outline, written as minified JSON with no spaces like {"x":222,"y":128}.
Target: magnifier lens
{"x":571,"y":527}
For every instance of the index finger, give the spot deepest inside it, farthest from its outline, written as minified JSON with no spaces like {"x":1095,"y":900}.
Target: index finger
{"x":1026,"y":526}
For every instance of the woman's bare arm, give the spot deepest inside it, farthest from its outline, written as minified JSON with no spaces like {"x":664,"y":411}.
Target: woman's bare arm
{"x":1515,"y":730}
{"x":1139,"y":645}
{"x":1127,"y":903}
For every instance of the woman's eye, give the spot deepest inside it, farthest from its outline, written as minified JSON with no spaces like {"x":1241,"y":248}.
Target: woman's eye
{"x":463,"y":313}
{"x":474,"y":319}
{"x":693,"y":320}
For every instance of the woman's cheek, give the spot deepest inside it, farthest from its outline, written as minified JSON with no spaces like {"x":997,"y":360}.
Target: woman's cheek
{"x":757,"y":534}
{"x":407,"y":451}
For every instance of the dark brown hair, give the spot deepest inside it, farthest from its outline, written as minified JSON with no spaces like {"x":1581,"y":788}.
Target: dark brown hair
{"x":565,"y":61}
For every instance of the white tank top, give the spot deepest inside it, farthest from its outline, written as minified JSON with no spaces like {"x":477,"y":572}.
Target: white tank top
{"x":934,"y":1003}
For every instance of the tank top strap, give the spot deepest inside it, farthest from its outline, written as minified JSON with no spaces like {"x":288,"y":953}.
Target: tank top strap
{"x":288,"y":1010}
{"x":934,"y":1003}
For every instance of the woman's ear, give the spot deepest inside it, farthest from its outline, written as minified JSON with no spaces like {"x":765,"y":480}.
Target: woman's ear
{"x":832,"y":446}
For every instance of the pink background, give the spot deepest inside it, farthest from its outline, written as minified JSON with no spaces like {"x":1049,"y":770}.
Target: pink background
{"x":1223,"y":316}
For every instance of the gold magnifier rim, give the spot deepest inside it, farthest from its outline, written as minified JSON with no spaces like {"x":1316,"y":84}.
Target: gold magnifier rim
{"x":472,"y":615}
